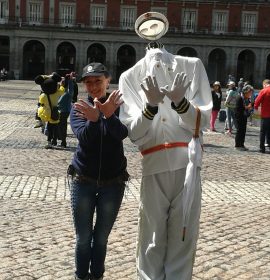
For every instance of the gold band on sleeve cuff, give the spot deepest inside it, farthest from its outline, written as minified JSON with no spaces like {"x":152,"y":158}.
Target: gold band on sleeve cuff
{"x":182,"y":107}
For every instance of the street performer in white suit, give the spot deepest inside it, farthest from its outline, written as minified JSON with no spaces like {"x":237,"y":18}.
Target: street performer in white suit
{"x":162,"y":95}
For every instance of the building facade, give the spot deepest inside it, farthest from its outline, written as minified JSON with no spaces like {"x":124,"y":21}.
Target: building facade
{"x":37,"y":37}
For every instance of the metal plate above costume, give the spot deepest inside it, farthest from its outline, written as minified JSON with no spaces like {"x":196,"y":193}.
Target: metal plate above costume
{"x":151,"y":26}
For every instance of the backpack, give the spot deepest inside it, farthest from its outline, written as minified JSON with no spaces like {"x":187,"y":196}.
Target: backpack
{"x":222,"y":115}
{"x":55,"y":115}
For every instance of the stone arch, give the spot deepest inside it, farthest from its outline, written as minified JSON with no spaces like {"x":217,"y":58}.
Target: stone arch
{"x":33,"y":59}
{"x":245,"y":65}
{"x":217,"y":66}
{"x":65,"y":58}
{"x":188,"y":51}
{"x":96,"y":53}
{"x":267,"y":69}
{"x":4,"y":52}
{"x":126,"y":58}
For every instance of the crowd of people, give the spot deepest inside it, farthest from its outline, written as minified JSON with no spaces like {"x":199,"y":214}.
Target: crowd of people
{"x":241,"y":103}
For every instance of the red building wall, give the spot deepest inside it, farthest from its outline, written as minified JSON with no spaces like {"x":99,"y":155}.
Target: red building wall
{"x":113,"y":13}
{"x":234,"y":23}
{"x":83,"y":12}
{"x":174,"y":11}
{"x":46,"y":10}
{"x":205,"y":16}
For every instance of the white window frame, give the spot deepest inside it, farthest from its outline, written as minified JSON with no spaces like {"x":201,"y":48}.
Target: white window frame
{"x":189,"y":25}
{"x":35,"y":17}
{"x":162,"y":10}
{"x":220,"y":26}
{"x":127,"y":21}
{"x":249,"y":28}
{"x":68,"y":17}
{"x":4,"y":11}
{"x":98,"y":16}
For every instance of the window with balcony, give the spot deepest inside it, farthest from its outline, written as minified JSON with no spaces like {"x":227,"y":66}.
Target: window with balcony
{"x":98,"y":16}
{"x":161,"y":10}
{"x":67,"y":14}
{"x":34,"y":12}
{"x":189,"y":21}
{"x":128,"y":17}
{"x":249,"y":23}
{"x":220,"y":22}
{"x":3,"y":11}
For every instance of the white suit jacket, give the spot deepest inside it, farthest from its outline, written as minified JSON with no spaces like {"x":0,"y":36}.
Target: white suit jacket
{"x":167,"y":126}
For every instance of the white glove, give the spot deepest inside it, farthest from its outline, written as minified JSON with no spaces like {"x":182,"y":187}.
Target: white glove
{"x":178,"y":90}
{"x":152,"y":92}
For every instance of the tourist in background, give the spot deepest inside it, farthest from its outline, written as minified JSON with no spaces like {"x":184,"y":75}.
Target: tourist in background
{"x":217,"y":98}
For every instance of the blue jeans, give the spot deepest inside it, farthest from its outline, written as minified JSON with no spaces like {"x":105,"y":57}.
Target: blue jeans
{"x":230,"y":121}
{"x":92,"y":236}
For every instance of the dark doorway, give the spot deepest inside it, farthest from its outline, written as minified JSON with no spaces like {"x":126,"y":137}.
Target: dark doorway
{"x":65,"y":58}
{"x":96,"y":53}
{"x":187,"y":51}
{"x":126,"y":58}
{"x":217,"y":66}
{"x":245,"y":66}
{"x":33,"y":59}
{"x":267,"y":70}
{"x":4,"y":52}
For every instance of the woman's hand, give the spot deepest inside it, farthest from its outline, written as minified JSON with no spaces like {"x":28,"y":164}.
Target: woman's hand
{"x":86,"y":111}
{"x":111,"y":104}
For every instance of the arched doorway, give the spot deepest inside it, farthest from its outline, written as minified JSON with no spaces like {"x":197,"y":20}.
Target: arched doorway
{"x":245,"y":66}
{"x":33,"y":59}
{"x":96,"y":53}
{"x":217,"y":66}
{"x":4,"y":52}
{"x":65,"y":58}
{"x":267,"y":70}
{"x":187,"y":51}
{"x":126,"y":57}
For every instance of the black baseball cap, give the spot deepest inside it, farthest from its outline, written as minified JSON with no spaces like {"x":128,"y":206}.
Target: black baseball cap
{"x":94,"y":69}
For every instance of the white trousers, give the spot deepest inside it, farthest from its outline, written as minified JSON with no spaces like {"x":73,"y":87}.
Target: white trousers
{"x":161,"y":252}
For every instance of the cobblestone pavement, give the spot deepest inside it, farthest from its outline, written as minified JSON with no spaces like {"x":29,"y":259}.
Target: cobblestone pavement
{"x":36,"y":231}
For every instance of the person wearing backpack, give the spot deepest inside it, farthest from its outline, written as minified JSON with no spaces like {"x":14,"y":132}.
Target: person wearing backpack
{"x":48,"y":109}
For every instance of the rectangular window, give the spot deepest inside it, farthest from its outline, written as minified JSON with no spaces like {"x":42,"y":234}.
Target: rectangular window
{"x":220,"y":22}
{"x":67,"y":14}
{"x":128,"y":17}
{"x":249,"y":23}
{"x":189,"y":22}
{"x":3,"y":11}
{"x":98,"y":16}
{"x":35,"y":13}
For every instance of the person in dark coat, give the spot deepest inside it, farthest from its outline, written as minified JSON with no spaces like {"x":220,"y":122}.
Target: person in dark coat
{"x":243,"y":107}
{"x":98,"y":170}
{"x":217,"y":98}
